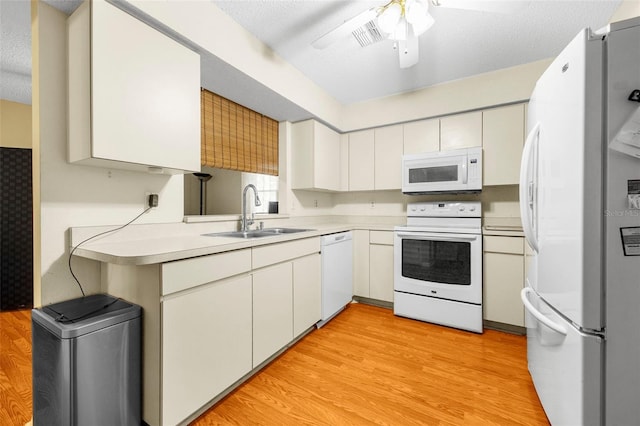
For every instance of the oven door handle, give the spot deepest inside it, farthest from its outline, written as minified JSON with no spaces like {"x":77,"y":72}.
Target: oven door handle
{"x":434,"y":238}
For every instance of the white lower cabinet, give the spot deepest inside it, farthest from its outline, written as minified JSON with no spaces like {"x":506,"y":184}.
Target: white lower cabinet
{"x":272,"y":310}
{"x":307,"y":293}
{"x":361,"y":263}
{"x":503,"y":279}
{"x":373,"y":264}
{"x":206,"y":344}
{"x":381,"y":265}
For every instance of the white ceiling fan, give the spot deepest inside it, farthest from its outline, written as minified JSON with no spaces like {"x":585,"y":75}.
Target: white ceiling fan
{"x":403,"y":21}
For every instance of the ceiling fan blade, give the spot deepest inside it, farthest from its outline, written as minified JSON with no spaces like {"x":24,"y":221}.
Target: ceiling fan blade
{"x":408,"y":51}
{"x":495,"y":6}
{"x":346,"y":28}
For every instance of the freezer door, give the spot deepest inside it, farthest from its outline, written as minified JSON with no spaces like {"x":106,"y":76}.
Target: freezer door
{"x":563,"y":195}
{"x":565,"y":365}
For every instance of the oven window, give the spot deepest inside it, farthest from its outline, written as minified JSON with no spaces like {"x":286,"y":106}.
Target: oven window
{"x":442,"y":262}
{"x":434,"y":174}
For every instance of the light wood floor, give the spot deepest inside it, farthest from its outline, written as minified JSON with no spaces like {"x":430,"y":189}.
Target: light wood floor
{"x":368,"y":366}
{"x":364,"y":367}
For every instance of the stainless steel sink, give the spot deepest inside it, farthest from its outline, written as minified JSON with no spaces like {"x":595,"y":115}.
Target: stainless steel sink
{"x":257,"y":233}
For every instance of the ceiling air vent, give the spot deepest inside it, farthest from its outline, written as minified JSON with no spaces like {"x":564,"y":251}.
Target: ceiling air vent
{"x":368,"y":34}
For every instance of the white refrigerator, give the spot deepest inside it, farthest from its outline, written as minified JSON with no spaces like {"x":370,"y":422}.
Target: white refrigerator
{"x":580,"y":206}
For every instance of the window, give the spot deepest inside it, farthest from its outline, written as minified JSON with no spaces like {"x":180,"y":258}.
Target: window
{"x":267,"y":189}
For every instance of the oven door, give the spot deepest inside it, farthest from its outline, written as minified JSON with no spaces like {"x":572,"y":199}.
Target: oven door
{"x":442,"y":265}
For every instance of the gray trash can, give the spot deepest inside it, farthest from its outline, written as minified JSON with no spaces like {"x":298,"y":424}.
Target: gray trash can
{"x":87,"y":362}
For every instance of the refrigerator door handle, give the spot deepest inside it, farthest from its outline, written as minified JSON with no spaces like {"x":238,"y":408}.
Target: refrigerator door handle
{"x":533,"y":311}
{"x":527,"y":188}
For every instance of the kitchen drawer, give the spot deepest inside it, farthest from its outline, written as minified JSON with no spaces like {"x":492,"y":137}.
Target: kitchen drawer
{"x":276,"y":253}
{"x":511,"y":245}
{"x":381,"y":237}
{"x":184,"y":274}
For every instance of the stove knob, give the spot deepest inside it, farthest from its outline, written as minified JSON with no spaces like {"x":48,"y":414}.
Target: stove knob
{"x":414,"y":208}
{"x":473,"y":209}
{"x":461,"y":208}
{"x":423,"y":209}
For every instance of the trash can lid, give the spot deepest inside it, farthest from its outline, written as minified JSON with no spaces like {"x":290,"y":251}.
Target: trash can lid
{"x":76,"y":317}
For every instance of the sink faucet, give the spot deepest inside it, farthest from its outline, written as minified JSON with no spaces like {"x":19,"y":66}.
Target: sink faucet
{"x":244,"y":227}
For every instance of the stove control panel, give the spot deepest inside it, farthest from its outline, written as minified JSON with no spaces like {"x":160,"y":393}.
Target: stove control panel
{"x":445,"y":209}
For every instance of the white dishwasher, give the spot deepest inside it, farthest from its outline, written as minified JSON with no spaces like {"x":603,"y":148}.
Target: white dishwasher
{"x":337,"y":273}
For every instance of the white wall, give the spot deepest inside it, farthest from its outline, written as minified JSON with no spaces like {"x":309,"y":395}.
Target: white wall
{"x":74,"y":195}
{"x":628,"y":9}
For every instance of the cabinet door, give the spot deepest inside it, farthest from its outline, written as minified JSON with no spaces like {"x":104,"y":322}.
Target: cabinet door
{"x":388,"y":157}
{"x":502,"y":141}
{"x":344,"y":162}
{"x":361,"y":161}
{"x":326,"y":158}
{"x":272,"y":310}
{"x":206,"y":344}
{"x":145,"y":90}
{"x":361,"y":263}
{"x":381,"y":272}
{"x":461,"y":131}
{"x":503,"y":280}
{"x":307,"y":293}
{"x":422,"y":136}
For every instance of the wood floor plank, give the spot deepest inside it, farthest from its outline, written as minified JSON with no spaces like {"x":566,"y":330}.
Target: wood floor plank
{"x":15,"y":367}
{"x":368,"y":366}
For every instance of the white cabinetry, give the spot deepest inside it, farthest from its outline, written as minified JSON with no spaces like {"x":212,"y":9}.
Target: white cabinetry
{"x":361,"y":263}
{"x":502,"y":141}
{"x":361,"y":160}
{"x":381,"y":265}
{"x":133,"y":94}
{"x":461,"y":131}
{"x":373,"y":264}
{"x":422,"y":136}
{"x":316,"y":154}
{"x":272,"y":310}
{"x":388,"y":148}
{"x":503,"y":279}
{"x":206,"y":344}
{"x":307,"y":293}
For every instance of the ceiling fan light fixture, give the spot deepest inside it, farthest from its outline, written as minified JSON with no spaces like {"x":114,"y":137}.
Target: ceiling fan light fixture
{"x":422,"y":24}
{"x":389,"y":18}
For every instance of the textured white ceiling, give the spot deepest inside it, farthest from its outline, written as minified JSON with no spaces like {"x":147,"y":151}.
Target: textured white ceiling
{"x":15,"y":51}
{"x":460,"y":44}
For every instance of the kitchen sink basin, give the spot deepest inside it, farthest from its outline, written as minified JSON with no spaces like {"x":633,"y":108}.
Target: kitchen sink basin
{"x":257,"y":233}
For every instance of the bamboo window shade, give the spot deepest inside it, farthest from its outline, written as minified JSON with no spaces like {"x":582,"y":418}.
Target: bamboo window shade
{"x":237,"y":138}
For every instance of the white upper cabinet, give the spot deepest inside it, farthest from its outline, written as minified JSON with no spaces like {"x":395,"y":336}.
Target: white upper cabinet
{"x":422,"y":136}
{"x":361,"y":160}
{"x":316,"y":157}
{"x":461,"y":131}
{"x":134,"y":94}
{"x":388,"y":146}
{"x":502,"y":141}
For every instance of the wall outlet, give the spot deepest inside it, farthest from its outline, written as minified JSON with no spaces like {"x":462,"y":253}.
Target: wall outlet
{"x":373,"y":204}
{"x":151,"y":200}
{"x":315,"y":203}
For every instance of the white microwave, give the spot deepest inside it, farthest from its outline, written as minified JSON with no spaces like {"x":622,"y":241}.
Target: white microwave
{"x":456,"y":171}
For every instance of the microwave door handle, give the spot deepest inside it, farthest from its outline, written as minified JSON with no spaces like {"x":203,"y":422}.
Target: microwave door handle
{"x":424,"y":237}
{"x":465,"y":176}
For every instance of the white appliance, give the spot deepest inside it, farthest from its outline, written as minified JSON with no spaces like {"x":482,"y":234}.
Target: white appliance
{"x":456,"y":171}
{"x":582,"y":294}
{"x":438,"y":264}
{"x":337,"y":274}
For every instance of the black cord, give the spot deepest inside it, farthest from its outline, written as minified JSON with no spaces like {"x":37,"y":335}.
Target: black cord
{"x":95,"y":236}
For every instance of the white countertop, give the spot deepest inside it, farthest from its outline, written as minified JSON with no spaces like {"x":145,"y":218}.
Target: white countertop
{"x":170,"y":242}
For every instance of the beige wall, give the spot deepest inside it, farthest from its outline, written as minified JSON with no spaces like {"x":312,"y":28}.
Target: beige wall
{"x":15,"y":124}
{"x":628,"y":9}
